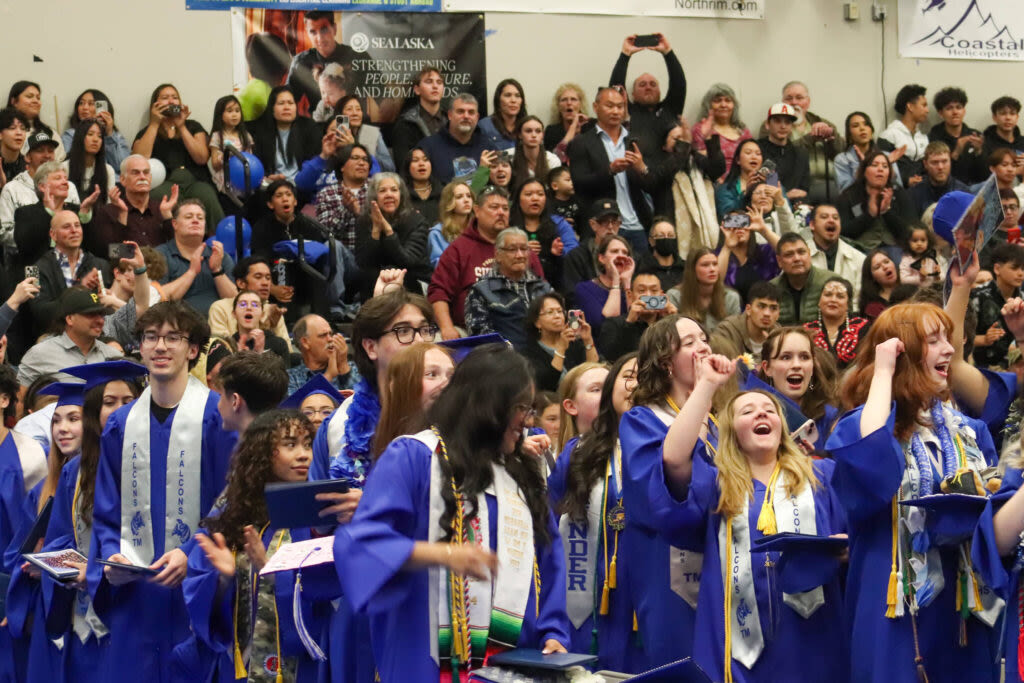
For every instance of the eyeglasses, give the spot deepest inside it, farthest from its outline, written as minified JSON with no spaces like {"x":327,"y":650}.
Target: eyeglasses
{"x":325,"y":413}
{"x":170,"y":339}
{"x":526,"y":409}
{"x":249,"y":304}
{"x":553,"y":311}
{"x":363,"y":159}
{"x":405,"y":334}
{"x":515,"y":250}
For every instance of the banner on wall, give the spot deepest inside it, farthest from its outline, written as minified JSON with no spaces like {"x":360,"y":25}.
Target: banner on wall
{"x":372,"y":55}
{"x":712,"y":9}
{"x":962,"y":29}
{"x":342,"y":5}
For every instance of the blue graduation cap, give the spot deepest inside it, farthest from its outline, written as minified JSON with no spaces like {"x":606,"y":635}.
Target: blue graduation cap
{"x":951,"y":518}
{"x":948,"y":211}
{"x":749,"y":381}
{"x":67,"y":393}
{"x":807,"y":561}
{"x":461,"y":347}
{"x":317,"y":385}
{"x":96,"y":374}
{"x":681,"y":671}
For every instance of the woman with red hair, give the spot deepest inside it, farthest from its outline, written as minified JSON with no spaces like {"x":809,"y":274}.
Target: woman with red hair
{"x":917,"y":605}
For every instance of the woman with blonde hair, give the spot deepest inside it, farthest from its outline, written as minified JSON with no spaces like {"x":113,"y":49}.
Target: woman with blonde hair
{"x":760,"y":484}
{"x":415,"y":378}
{"x":569,"y":113}
{"x":920,"y":605}
{"x":585,"y":490}
{"x":579,"y":391}
{"x":455,"y":208}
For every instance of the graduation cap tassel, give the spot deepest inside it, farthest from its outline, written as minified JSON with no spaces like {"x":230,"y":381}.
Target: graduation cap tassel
{"x":308,"y":642}
{"x":892,"y":594}
{"x":766,"y":522}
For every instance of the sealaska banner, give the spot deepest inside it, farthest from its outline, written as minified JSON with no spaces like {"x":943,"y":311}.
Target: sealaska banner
{"x":962,"y":29}
{"x":325,"y":56}
{"x":711,"y":9}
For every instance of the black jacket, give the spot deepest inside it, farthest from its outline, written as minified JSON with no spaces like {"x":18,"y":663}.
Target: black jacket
{"x":303,"y":141}
{"x":592,"y":179}
{"x":405,"y":248}
{"x":32,"y":234}
{"x":791,"y":163}
{"x":44,"y":308}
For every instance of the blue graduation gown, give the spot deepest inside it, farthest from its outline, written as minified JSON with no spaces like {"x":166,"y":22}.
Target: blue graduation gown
{"x":370,"y":551}
{"x":145,"y":620}
{"x":795,"y":649}
{"x":350,"y":659}
{"x":1000,"y":573}
{"x":665,"y":619}
{"x":84,"y":662}
{"x":618,"y":646}
{"x":12,"y":502}
{"x":868,"y":474}
{"x":212,"y":617}
{"x":36,"y":658}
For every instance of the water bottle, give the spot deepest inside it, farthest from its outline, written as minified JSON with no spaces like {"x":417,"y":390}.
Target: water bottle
{"x":281,"y":271}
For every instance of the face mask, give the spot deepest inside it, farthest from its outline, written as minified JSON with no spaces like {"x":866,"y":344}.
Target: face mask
{"x":665,"y":246}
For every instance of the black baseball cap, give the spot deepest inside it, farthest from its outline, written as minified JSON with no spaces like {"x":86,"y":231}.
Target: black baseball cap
{"x":78,"y":300}
{"x":605,"y":207}
{"x":41,"y":137}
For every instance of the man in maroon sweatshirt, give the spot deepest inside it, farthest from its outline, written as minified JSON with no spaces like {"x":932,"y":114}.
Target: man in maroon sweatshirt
{"x":469,"y":258}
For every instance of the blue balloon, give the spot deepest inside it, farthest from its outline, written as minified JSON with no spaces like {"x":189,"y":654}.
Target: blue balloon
{"x":236,"y":172}
{"x":226,"y":235}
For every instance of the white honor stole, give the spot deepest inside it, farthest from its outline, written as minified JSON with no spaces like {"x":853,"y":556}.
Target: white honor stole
{"x":684,"y":566}
{"x":794,"y":514}
{"x":507,"y":597}
{"x":184,"y":460}
{"x":580,"y":543}
{"x":84,"y":620}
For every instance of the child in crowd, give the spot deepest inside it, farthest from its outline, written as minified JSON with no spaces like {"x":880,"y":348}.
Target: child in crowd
{"x":563,"y":199}
{"x":921,"y":263}
{"x":228,"y":129}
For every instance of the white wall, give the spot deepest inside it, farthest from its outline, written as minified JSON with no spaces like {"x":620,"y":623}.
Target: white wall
{"x":94,"y":44}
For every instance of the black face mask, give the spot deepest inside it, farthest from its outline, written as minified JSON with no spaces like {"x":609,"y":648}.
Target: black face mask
{"x":666,"y":246}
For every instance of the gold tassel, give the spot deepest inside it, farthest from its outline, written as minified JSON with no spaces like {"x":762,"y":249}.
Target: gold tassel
{"x":612,"y":581}
{"x":766,"y":522}
{"x":636,"y":626}
{"x":604,"y":599}
{"x":892,"y":595}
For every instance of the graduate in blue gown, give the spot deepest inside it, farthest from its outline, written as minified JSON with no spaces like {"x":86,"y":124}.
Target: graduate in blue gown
{"x":585,"y":490}
{"x":25,"y":608}
{"x":802,"y":373}
{"x":68,"y":609}
{"x":665,"y":585}
{"x":760,"y":484}
{"x":412,"y":534}
{"x":343,"y":449}
{"x":22,"y":467}
{"x":168,"y":451}
{"x":915,"y":599}
{"x":244,"y":622}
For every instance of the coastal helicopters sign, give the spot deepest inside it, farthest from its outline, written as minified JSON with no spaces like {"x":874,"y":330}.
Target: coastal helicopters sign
{"x":962,"y":29}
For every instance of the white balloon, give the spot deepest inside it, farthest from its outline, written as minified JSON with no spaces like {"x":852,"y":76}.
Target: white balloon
{"x":158,"y":171}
